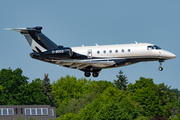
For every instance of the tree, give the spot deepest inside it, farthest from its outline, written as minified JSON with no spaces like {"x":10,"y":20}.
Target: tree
{"x":16,"y":90}
{"x":124,"y":110}
{"x":153,"y":99}
{"x":47,"y":90}
{"x":12,"y":83}
{"x":35,"y":95}
{"x":111,"y":94}
{"x":121,"y":82}
{"x":73,"y":94}
{"x":176,"y":93}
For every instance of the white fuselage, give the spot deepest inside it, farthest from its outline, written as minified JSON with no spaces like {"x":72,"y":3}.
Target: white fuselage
{"x":128,"y":51}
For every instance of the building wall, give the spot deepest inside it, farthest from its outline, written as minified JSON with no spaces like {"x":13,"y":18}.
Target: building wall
{"x":19,"y":111}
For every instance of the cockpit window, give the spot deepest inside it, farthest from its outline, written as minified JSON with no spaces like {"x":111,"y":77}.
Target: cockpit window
{"x":150,"y":47}
{"x":156,"y":47}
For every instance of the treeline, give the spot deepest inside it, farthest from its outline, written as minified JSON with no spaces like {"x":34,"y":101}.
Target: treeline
{"x":83,"y":99}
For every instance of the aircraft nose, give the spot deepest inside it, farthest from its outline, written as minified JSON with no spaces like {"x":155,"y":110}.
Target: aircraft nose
{"x":168,"y":55}
{"x":172,"y":56}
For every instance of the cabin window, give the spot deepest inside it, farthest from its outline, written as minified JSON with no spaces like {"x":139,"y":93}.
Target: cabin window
{"x":104,"y":51}
{"x":110,"y":51}
{"x":122,"y":50}
{"x":98,"y":52}
{"x":116,"y":51}
{"x":129,"y":50}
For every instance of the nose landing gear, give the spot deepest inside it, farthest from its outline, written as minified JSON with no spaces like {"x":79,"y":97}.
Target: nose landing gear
{"x":160,"y":64}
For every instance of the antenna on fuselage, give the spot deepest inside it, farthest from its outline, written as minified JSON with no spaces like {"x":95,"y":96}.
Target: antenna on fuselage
{"x":82,"y":45}
{"x":136,"y":42}
{"x":96,"y":44}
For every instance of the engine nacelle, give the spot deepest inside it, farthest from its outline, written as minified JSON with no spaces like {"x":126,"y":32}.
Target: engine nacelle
{"x":58,"y":53}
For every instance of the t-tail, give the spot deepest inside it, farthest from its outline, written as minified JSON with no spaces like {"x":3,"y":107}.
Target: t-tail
{"x":43,"y":48}
{"x":36,"y":39}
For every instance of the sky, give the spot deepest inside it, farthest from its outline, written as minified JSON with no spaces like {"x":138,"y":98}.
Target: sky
{"x":74,"y":23}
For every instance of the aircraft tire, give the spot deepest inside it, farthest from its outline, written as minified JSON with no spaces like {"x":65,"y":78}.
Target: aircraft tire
{"x":87,"y":74}
{"x":160,"y":68}
{"x":95,"y":74}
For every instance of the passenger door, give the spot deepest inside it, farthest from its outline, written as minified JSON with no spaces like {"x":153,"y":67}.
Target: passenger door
{"x":89,"y":53}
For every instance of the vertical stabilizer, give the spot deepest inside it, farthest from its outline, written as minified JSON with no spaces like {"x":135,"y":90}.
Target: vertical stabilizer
{"x":37,"y":39}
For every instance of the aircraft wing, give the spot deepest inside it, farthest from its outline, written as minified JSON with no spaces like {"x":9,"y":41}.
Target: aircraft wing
{"x":80,"y":64}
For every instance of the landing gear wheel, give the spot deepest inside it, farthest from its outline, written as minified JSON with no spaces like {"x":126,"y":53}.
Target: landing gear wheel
{"x":95,"y":74}
{"x":160,"y":68}
{"x":87,"y":74}
{"x":160,"y":63}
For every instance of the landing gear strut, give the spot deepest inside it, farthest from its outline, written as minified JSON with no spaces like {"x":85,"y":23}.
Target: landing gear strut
{"x":160,"y":64}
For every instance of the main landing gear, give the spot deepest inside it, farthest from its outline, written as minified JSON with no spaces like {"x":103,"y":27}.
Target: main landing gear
{"x":88,"y":74}
{"x":160,"y":64}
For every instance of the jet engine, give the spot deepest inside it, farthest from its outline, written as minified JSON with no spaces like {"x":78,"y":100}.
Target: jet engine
{"x":57,"y":53}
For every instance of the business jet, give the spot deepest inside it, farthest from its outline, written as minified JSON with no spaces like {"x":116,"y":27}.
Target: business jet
{"x":91,"y":59}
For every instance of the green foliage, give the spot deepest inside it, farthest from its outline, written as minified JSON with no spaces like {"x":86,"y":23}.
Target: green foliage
{"x":121,"y":82}
{"x":111,"y":94}
{"x":34,"y":93}
{"x":124,"y":110}
{"x":176,"y":94}
{"x":75,"y":105}
{"x":149,"y":102}
{"x":176,"y":118}
{"x":152,"y":99}
{"x":47,"y":89}
{"x":76,"y":93}
{"x":69,"y":87}
{"x":15,"y":89}
{"x":1,"y":87}
{"x":69,"y":116}
{"x":10,"y":94}
{"x":142,"y":82}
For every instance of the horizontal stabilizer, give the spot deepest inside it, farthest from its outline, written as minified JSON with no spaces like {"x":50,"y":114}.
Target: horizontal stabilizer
{"x":20,"y":29}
